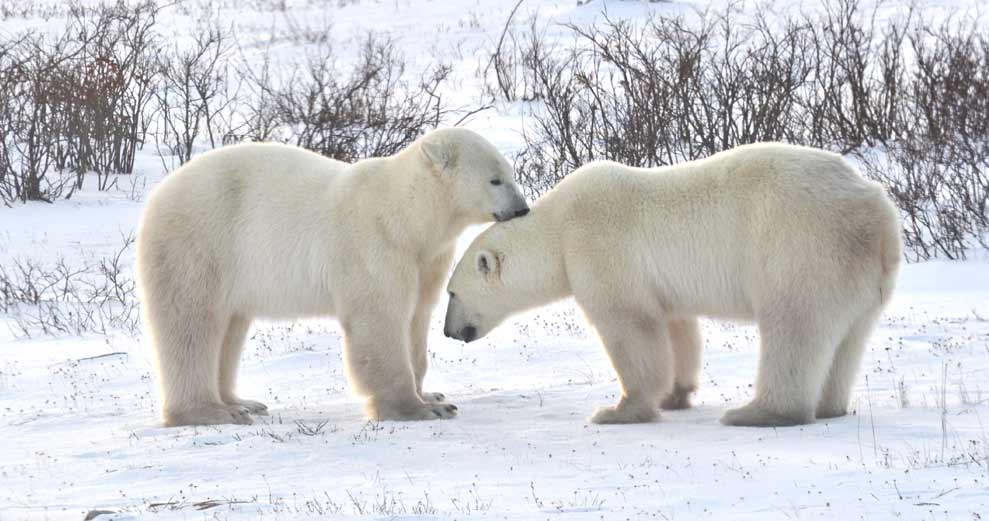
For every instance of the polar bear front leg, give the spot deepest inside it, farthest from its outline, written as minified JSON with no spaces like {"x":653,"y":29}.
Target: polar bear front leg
{"x":686,"y":344}
{"x":420,"y":353}
{"x":640,"y":353}
{"x":377,"y":351}
{"x":432,"y":277}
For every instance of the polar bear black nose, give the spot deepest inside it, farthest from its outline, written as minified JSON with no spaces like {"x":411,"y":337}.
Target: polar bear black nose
{"x":468,"y":333}
{"x":520,"y":213}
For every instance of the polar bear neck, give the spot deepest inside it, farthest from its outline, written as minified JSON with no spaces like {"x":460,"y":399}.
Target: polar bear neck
{"x":415,"y":210}
{"x":534,"y":270}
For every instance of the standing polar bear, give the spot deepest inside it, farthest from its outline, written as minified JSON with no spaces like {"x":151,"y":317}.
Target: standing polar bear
{"x":788,"y":236}
{"x":274,"y":231}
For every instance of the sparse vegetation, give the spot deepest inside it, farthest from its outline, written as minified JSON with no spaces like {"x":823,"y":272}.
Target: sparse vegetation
{"x":195,"y":96}
{"x":76,"y":103}
{"x":78,"y":398}
{"x":906,"y":98}
{"x":371,"y":112}
{"x":84,"y":102}
{"x":65,"y":299}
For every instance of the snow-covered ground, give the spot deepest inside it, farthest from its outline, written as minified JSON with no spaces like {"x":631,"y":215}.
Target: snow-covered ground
{"x":78,"y":415}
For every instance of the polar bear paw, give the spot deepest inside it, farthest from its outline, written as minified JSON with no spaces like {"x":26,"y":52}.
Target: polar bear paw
{"x":757,"y":415}
{"x":412,"y":412}
{"x":825,"y":412}
{"x":624,"y":413}
{"x":250,"y":406}
{"x":679,"y":398}
{"x":213,"y":414}
{"x":433,"y":397}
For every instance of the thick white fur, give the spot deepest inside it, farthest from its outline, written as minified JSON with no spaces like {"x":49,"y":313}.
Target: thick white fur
{"x":274,"y":231}
{"x":788,"y":236}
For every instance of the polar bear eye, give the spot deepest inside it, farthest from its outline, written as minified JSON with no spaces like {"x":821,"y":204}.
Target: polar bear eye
{"x":496,"y":182}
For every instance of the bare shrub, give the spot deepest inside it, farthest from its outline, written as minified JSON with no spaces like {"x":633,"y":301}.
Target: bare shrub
{"x":260,"y":117}
{"x":75,"y":103}
{"x":910,"y":99}
{"x":854,"y":95}
{"x":67,"y":300}
{"x":938,"y":169}
{"x":192,"y":96}
{"x":35,"y":121}
{"x":114,"y":83}
{"x":82,"y":103}
{"x":950,"y":82}
{"x":7,"y":65}
{"x":19,"y":9}
{"x":509,"y":72}
{"x":942,"y":192}
{"x":665,"y":92}
{"x":370,"y":112}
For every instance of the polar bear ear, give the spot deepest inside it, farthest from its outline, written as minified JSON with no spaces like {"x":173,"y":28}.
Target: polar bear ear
{"x":437,"y":154}
{"x":486,"y":262}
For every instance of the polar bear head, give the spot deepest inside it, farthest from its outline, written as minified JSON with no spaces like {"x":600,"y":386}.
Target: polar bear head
{"x":510,"y":267}
{"x":477,"y":296}
{"x":480,"y":181}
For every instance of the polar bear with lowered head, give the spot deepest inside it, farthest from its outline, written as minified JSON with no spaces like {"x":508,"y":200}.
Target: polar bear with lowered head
{"x":265,"y":230}
{"x":788,"y":236}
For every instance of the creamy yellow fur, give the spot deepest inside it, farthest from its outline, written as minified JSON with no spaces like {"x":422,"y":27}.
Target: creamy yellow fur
{"x":790,"y":237}
{"x":274,"y":231}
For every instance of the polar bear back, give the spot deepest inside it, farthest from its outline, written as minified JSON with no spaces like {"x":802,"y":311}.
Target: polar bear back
{"x":721,"y":236}
{"x":236,"y":210}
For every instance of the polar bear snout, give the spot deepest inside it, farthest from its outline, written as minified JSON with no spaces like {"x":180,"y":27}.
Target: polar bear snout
{"x":512,"y":213}
{"x":457,"y":326}
{"x":465,"y":334}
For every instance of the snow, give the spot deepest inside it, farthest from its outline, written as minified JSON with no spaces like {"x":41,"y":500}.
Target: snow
{"x":80,"y":433}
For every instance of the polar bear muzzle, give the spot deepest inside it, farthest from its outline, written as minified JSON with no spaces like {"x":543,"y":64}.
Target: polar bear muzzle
{"x":466,"y":334}
{"x":518,"y":208}
{"x":457,"y":326}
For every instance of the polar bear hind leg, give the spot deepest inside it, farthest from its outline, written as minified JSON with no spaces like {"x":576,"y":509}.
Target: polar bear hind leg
{"x":686,"y":345}
{"x":188,"y":349}
{"x":794,"y":360}
{"x":233,"y":345}
{"x":841,"y":377}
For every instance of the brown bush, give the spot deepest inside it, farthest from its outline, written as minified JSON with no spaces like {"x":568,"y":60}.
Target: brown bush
{"x":369,"y":112}
{"x":910,"y":99}
{"x":76,"y":103}
{"x":192,"y":97}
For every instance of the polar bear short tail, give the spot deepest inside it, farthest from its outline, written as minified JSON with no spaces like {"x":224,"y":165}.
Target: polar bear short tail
{"x":892,"y":252}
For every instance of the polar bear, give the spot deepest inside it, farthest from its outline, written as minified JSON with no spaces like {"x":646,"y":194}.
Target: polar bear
{"x":788,"y":236}
{"x":265,"y":230}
